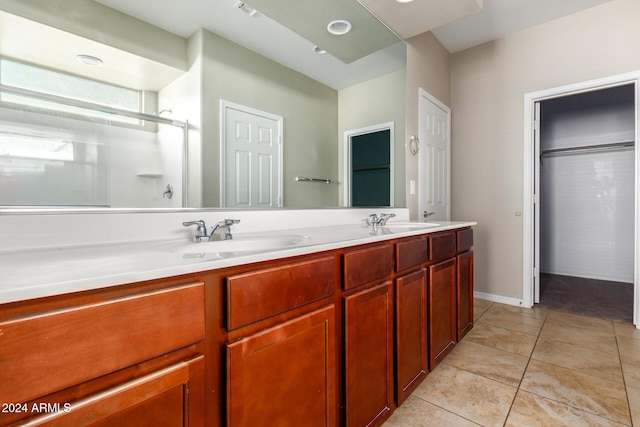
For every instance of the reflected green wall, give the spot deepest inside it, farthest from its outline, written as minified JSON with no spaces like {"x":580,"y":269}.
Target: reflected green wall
{"x":309,"y":108}
{"x":374,"y":102}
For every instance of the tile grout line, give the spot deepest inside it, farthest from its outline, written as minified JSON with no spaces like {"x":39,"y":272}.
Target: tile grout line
{"x":545,"y":317}
{"x":624,"y":380}
{"x":444,"y":362}
{"x":524,"y":372}
{"x":563,"y":403}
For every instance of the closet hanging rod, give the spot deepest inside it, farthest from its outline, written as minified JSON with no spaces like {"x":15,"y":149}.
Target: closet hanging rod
{"x":301,"y":179}
{"x":595,"y":147}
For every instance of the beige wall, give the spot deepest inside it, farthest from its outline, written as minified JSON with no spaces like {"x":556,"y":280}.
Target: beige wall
{"x":309,"y":108}
{"x":428,"y":66}
{"x":373,"y":102}
{"x":487,"y":98}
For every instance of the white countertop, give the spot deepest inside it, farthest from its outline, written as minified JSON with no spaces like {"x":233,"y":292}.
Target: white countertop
{"x":34,"y":273}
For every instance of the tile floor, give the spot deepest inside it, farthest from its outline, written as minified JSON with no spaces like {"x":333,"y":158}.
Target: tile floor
{"x":532,"y":367}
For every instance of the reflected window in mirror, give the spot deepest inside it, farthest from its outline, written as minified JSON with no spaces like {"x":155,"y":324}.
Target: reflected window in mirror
{"x":68,"y":141}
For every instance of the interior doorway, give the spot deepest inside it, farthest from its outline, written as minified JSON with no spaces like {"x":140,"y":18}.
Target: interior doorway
{"x":369,"y":166}
{"x":582,"y":186}
{"x":586,"y":194}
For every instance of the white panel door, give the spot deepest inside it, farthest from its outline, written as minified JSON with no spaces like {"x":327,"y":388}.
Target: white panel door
{"x":435,"y":158}
{"x":536,"y":204}
{"x":252,"y":157}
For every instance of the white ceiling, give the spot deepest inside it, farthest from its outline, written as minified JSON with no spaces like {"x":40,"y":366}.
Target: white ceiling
{"x":35,"y":43}
{"x":495,"y":19}
{"x":418,"y":16}
{"x":500,"y":17}
{"x":263,"y":35}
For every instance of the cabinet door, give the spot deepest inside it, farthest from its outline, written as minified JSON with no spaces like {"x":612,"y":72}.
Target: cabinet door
{"x":442,"y":310}
{"x":160,"y":399}
{"x":465,"y":293}
{"x":55,"y":349}
{"x":368,"y":356}
{"x":285,"y":375}
{"x":411,"y":332}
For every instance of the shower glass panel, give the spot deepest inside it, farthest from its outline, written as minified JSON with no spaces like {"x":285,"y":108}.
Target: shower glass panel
{"x":57,"y":152}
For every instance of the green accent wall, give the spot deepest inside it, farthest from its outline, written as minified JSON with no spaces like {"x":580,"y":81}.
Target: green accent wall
{"x":309,"y":108}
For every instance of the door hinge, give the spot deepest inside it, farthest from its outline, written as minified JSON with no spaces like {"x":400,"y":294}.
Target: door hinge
{"x":535,"y":199}
{"x":535,"y":271}
{"x":536,"y":125}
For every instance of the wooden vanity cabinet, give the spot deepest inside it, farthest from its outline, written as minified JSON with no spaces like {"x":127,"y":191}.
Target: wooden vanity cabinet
{"x":465,"y":282}
{"x":284,"y":375}
{"x":410,"y":315}
{"x":327,"y":339}
{"x":281,"y":354}
{"x":162,"y":398}
{"x":442,"y":299}
{"x":442,"y":317}
{"x":368,"y":335}
{"x":411,"y":333}
{"x":102,"y":360}
{"x":368,"y":351}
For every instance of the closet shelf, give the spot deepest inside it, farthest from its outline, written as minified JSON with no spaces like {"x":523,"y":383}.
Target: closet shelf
{"x":587,"y":148}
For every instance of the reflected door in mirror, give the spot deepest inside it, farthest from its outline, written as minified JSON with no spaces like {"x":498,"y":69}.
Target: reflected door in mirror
{"x":252,"y":169}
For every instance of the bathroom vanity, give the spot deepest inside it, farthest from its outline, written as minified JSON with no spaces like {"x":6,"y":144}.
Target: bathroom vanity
{"x":334,"y":327}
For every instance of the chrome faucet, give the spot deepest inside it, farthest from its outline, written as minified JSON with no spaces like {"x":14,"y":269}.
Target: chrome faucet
{"x":381,"y":220}
{"x":201,"y":230}
{"x":220,"y":226}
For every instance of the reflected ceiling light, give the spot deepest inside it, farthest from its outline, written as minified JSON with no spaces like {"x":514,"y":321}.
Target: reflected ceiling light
{"x":88,"y":59}
{"x":246,"y":8}
{"x":319,"y":50}
{"x":339,"y":27}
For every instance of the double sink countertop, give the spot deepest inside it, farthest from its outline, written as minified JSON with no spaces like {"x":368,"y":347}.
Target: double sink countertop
{"x":35,"y":273}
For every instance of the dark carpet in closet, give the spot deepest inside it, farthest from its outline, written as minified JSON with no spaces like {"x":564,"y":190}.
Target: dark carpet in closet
{"x":590,"y":297}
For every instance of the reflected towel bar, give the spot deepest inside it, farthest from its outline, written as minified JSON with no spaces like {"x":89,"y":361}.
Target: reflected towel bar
{"x":324,"y":180}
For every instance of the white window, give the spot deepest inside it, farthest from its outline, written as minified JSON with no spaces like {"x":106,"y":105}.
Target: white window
{"x":23,"y":76}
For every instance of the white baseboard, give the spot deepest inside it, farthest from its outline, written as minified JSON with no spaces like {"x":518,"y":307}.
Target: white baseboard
{"x":499,"y":298}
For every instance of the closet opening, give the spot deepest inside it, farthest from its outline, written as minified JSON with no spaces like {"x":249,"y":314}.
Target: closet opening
{"x":585,"y":198}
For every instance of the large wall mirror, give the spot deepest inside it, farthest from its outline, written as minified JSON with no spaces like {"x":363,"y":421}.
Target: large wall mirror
{"x":145,"y":105}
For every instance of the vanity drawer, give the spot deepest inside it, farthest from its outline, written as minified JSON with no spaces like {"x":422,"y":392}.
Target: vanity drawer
{"x":367,"y":265}
{"x":259,"y":294}
{"x":50,"y":351}
{"x":411,"y":253}
{"x":465,"y":239}
{"x":442,"y":245}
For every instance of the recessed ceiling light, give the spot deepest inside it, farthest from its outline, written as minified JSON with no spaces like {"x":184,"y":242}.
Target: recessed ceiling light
{"x":404,"y":1}
{"x":339,"y":27}
{"x":88,"y":59}
{"x":319,"y":50}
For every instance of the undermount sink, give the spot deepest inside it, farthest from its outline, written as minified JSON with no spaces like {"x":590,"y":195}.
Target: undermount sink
{"x":237,"y":244}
